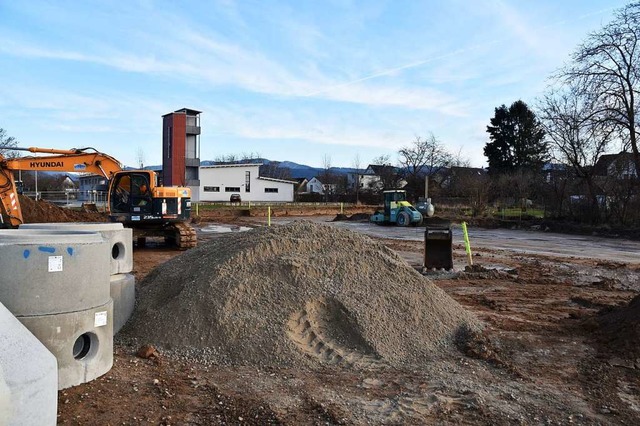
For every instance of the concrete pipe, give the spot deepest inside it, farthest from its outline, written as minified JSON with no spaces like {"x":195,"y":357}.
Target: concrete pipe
{"x":123,"y":293}
{"x":49,"y":272}
{"x":28,"y":376}
{"x":82,"y":342}
{"x":120,"y":240}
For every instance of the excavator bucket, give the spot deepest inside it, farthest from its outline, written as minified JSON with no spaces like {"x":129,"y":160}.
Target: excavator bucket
{"x":89,"y":207}
{"x":438,"y":251}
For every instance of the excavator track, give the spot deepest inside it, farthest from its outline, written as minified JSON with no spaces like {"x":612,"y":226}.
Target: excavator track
{"x":185,"y":236}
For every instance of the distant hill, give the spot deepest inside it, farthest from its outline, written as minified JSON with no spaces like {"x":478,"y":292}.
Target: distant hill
{"x":296,"y":170}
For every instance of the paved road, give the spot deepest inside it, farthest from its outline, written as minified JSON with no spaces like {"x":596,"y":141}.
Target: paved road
{"x":530,"y":242}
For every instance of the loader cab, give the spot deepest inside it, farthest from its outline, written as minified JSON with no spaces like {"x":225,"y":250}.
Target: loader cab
{"x":130,"y":192}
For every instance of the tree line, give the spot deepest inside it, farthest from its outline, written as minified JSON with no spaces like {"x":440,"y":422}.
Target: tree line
{"x":548,"y":154}
{"x":589,"y":109}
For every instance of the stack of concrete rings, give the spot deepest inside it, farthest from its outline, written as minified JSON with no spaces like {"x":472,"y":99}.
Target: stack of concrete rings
{"x":123,"y":283}
{"x":56,"y":283}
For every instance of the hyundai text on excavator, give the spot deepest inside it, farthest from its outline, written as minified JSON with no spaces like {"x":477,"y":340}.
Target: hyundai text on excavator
{"x":134,"y":197}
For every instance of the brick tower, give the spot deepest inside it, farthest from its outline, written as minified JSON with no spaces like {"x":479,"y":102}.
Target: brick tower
{"x":181,"y":149}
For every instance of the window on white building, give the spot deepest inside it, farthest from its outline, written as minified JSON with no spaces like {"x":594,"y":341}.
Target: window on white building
{"x":211,"y":189}
{"x":232,"y":189}
{"x":271,"y":190}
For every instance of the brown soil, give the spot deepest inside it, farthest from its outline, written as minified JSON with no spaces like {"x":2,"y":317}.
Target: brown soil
{"x":42,"y":211}
{"x":620,"y":330}
{"x":540,"y":360}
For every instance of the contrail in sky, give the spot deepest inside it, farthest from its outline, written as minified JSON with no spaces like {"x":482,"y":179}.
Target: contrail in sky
{"x":446,"y":55}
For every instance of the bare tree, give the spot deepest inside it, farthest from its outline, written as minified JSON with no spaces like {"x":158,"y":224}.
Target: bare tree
{"x":226,"y":158}
{"x":606,"y":67}
{"x":578,"y":135}
{"x":390,"y":176}
{"x":459,"y":161}
{"x":515,"y":188}
{"x":7,"y":143}
{"x":140,"y":157}
{"x":356,"y":163}
{"x":245,"y":157}
{"x":272,"y":169}
{"x":476,"y":188}
{"x":424,"y":157}
{"x":326,"y":177}
{"x":249,"y":156}
{"x":326,"y":162}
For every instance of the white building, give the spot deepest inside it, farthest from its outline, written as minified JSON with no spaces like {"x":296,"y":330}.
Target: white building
{"x":92,"y":187}
{"x":219,"y":182}
{"x":315,"y":186}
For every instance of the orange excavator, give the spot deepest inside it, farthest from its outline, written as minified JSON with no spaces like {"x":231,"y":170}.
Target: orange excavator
{"x":134,"y":197}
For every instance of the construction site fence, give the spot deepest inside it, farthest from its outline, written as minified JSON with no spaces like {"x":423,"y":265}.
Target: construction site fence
{"x":62,"y":197}
{"x":248,"y":204}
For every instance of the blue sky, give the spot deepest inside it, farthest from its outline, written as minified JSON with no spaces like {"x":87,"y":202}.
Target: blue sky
{"x":290,"y":80}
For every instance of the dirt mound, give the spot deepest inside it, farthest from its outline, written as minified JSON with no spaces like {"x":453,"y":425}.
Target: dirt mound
{"x":293,"y":295}
{"x":620,"y":329}
{"x":353,"y":217}
{"x":43,"y":211}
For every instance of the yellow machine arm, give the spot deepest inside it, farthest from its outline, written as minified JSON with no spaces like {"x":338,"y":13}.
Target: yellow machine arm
{"x":84,"y":160}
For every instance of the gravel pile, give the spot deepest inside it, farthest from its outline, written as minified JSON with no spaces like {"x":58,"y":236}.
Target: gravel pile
{"x":296,"y":295}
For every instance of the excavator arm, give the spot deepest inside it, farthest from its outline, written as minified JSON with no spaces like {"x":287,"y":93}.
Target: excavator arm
{"x":83,"y":160}
{"x":9,"y":206}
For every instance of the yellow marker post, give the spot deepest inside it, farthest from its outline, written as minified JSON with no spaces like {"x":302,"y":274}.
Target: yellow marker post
{"x":269,"y":216}
{"x":467,"y":246}
{"x":341,"y":208}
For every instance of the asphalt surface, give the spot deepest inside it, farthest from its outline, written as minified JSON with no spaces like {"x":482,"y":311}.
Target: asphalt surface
{"x":518,"y":241}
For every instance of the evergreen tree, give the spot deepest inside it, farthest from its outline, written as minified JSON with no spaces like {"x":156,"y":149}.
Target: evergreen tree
{"x":517,"y":140}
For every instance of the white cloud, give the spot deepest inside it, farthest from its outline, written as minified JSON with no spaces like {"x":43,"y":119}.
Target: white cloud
{"x":303,"y":125}
{"x":219,"y":64}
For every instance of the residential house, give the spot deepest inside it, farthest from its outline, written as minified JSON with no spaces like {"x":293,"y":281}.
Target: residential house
{"x":314,"y":186}
{"x":619,"y":166}
{"x":457,"y":176}
{"x":69,"y":183}
{"x":92,"y":188}
{"x":376,"y":177}
{"x":301,"y":185}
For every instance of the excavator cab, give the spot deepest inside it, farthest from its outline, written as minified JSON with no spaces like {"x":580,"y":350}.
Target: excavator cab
{"x":136,"y":201}
{"x":131,"y":193}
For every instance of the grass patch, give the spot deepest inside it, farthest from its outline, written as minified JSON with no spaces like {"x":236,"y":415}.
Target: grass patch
{"x":514,"y":213}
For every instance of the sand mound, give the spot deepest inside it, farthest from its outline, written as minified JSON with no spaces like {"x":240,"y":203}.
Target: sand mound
{"x":620,"y":329}
{"x":297,"y":294}
{"x":43,"y":211}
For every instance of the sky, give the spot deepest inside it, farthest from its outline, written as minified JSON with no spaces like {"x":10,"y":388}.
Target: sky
{"x":314,"y":82}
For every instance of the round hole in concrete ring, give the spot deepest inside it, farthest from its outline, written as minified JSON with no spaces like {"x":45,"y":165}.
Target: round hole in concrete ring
{"x":84,"y":344}
{"x":117,"y":251}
